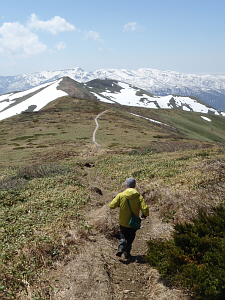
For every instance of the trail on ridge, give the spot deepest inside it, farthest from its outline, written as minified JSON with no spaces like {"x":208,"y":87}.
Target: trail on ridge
{"x":96,"y":272}
{"x":96,"y":122}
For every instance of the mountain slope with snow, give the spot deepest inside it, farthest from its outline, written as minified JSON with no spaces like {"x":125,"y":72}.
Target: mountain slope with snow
{"x":30,"y":100}
{"x":209,"y":88}
{"x":105,"y":90}
{"x":113,"y":91}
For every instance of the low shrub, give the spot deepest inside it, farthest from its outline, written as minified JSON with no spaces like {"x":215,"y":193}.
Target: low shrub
{"x":12,"y":183}
{"x":22,"y":174}
{"x":41,"y":171}
{"x":143,"y":151}
{"x":195,"y":256}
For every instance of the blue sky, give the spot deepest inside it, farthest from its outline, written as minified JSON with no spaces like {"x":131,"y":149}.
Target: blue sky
{"x":180,"y":35}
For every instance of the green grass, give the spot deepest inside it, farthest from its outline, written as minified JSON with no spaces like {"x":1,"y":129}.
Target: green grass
{"x":188,"y":124}
{"x":173,"y":182}
{"x":37,"y":205}
{"x":196,"y":128}
{"x":67,"y":124}
{"x":169,"y":168}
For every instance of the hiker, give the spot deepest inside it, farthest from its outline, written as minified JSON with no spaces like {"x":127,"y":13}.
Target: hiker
{"x":136,"y":203}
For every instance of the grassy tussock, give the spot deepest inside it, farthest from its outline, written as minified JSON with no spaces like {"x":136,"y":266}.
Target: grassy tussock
{"x":105,"y":221}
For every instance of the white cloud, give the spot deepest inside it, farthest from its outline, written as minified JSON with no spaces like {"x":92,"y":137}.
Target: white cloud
{"x":99,"y":49}
{"x":111,"y":50}
{"x":131,"y":26}
{"x":93,"y":35}
{"x":18,"y":40}
{"x":60,"y":46}
{"x":55,"y":25}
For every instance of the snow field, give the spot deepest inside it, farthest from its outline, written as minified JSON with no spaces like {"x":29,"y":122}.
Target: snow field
{"x":40,"y":100}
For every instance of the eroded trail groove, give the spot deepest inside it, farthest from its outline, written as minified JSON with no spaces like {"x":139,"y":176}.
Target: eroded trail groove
{"x":96,"y":272}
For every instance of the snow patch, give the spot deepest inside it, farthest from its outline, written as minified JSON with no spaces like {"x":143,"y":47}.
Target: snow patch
{"x":25,"y":93}
{"x":206,"y":119}
{"x":163,"y":102}
{"x":102,"y":98}
{"x":3,"y":97}
{"x":193,"y":104}
{"x":186,"y":108}
{"x":127,"y":96}
{"x":154,"y":121}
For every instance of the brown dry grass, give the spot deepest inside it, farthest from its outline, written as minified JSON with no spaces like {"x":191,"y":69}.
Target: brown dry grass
{"x":86,"y":267}
{"x":105,"y":221}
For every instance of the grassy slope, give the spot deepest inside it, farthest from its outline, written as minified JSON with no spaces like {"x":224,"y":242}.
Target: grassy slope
{"x":189,"y":124}
{"x":43,"y":185}
{"x":66,"y":125}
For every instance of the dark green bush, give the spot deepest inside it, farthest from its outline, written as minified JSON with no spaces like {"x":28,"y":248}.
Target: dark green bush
{"x":202,"y":154}
{"x":195,"y":256}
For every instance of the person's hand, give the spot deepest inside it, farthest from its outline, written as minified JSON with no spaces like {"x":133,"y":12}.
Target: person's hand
{"x":143,"y":216}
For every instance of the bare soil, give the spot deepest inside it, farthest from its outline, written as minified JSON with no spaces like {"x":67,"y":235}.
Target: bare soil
{"x":97,"y":273}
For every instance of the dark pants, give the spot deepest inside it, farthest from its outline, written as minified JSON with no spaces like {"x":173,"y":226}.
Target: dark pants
{"x":127,"y":236}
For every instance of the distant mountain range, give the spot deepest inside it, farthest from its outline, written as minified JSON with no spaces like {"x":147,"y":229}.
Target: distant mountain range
{"x":209,"y":88}
{"x":110,"y":91}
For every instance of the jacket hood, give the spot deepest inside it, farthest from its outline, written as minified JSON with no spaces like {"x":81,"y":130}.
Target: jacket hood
{"x":131,"y":193}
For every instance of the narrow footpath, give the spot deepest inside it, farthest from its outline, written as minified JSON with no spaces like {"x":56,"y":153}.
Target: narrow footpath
{"x":96,"y":122}
{"x":95,"y":272}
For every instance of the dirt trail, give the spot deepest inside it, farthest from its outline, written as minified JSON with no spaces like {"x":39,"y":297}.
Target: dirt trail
{"x":96,"y":122}
{"x":97,"y":273}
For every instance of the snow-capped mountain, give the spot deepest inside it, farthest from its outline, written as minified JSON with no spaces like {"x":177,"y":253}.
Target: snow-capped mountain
{"x":112,"y":91}
{"x":105,"y":90}
{"x":209,"y":88}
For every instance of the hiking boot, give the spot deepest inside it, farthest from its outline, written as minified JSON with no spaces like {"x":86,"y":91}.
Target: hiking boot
{"x":127,"y":255}
{"x":119,"y":253}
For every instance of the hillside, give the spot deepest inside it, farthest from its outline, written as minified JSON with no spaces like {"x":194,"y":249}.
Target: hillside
{"x":55,"y":186}
{"x":67,"y":122}
{"x":109,"y":91}
{"x":114,"y":91}
{"x":209,"y":88}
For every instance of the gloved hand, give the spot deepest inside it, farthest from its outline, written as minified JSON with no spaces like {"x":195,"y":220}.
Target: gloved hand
{"x":143,"y":216}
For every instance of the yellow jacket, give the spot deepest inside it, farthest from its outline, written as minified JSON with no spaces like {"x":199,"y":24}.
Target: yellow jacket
{"x":137,"y":203}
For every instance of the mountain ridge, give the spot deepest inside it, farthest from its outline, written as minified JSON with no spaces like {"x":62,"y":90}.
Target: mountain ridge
{"x":209,"y":88}
{"x":104,"y":90}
